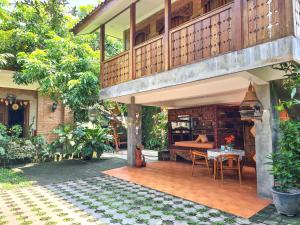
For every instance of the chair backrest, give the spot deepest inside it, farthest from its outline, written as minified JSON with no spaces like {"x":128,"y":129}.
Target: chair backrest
{"x":229,"y":158}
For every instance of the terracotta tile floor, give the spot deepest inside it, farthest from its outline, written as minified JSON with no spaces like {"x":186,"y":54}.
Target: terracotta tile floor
{"x":175,"y":178}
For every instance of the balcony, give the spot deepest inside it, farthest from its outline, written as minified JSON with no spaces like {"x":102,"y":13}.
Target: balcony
{"x":232,"y":27}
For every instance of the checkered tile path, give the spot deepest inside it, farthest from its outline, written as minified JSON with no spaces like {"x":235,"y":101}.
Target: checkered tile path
{"x":104,"y":200}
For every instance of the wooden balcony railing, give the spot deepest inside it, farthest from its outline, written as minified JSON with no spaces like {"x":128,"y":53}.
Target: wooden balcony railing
{"x":225,"y":29}
{"x":203,"y":37}
{"x":115,"y":70}
{"x":149,"y":57}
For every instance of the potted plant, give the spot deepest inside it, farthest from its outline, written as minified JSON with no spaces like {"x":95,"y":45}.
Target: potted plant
{"x":286,"y":169}
{"x":285,"y":161}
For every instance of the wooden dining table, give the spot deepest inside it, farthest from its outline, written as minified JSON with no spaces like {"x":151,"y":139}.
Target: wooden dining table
{"x":214,"y":153}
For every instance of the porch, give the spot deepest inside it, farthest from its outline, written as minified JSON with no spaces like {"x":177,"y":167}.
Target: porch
{"x":175,"y":178}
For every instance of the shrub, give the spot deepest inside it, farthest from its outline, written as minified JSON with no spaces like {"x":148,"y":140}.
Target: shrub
{"x":20,"y":149}
{"x":82,"y":138}
{"x":14,"y":148}
{"x":286,"y":161}
{"x":159,"y":132}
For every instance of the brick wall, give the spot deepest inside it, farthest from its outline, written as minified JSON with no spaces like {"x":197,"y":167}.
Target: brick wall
{"x":48,"y":120}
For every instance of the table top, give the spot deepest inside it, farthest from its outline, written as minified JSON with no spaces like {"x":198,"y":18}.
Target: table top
{"x":213,"y":153}
{"x":226,"y":151}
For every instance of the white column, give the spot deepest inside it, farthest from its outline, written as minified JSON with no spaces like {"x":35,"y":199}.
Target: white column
{"x":134,"y":133}
{"x":264,"y":142}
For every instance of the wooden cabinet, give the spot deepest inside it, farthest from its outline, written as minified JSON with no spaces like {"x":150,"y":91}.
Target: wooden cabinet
{"x":216,"y":121}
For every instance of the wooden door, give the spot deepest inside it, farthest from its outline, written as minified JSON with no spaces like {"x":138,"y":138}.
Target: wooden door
{"x":3,"y":114}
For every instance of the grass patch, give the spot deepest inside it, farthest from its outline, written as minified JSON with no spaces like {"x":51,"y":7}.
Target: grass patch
{"x":10,"y":179}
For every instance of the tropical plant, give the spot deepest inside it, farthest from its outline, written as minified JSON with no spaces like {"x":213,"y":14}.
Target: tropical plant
{"x":3,"y":59}
{"x":291,"y":83}
{"x":147,"y":122}
{"x":286,"y":161}
{"x":82,"y":138}
{"x":159,"y":133}
{"x":65,"y":141}
{"x":12,"y":147}
{"x":115,"y":116}
{"x":42,"y":151}
{"x":94,"y":139}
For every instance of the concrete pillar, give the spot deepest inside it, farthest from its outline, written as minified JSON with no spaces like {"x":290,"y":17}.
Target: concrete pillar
{"x":134,"y":133}
{"x":264,"y":142}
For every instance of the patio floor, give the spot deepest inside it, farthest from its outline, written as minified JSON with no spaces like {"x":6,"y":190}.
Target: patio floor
{"x":175,"y":178}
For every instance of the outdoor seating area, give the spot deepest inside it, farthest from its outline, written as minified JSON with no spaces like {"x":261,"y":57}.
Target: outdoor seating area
{"x":175,"y":178}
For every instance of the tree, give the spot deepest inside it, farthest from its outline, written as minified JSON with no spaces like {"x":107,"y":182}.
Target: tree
{"x":4,"y":59}
{"x":65,"y":67}
{"x":114,"y":112}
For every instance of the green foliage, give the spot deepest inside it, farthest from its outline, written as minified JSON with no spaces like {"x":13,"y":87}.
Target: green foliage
{"x":20,"y":149}
{"x":66,"y":70}
{"x":286,"y":161}
{"x":10,"y":179}
{"x":4,"y":59}
{"x":13,"y":148}
{"x":291,"y":83}
{"x":66,"y":67}
{"x":42,"y":150}
{"x":82,"y":138}
{"x":159,"y":132}
{"x":147,"y":122}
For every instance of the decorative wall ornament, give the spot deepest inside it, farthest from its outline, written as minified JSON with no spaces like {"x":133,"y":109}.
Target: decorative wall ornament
{"x":251,"y":108}
{"x":15,"y":107}
{"x":11,"y":101}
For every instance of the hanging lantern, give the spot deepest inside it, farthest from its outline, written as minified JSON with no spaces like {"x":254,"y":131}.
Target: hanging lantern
{"x":11,"y":99}
{"x":251,"y":108}
{"x":92,"y":113}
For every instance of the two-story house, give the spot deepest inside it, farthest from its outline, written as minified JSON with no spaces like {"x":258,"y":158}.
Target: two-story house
{"x":198,"y":57}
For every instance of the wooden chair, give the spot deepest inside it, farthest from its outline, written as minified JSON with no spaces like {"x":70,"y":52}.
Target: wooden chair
{"x":228,"y":162}
{"x":200,"y":158}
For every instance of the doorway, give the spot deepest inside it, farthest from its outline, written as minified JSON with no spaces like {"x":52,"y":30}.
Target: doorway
{"x":15,"y":114}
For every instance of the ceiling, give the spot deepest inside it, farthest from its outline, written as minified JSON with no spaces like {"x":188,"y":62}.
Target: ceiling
{"x":116,"y":26}
{"x":144,"y":9}
{"x":228,"y":89}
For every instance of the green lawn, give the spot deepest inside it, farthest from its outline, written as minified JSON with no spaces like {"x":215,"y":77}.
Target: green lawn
{"x":10,"y":179}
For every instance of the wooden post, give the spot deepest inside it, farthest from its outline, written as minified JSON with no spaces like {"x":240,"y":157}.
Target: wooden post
{"x":102,"y":52}
{"x":167,"y":34}
{"x":237,"y":25}
{"x":132,"y":40}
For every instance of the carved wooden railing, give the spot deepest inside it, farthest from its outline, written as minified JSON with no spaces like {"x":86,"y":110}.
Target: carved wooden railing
{"x":115,"y":70}
{"x":149,"y":57}
{"x":235,"y":26}
{"x":296,"y":12}
{"x":266,"y":20}
{"x":203,"y":37}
